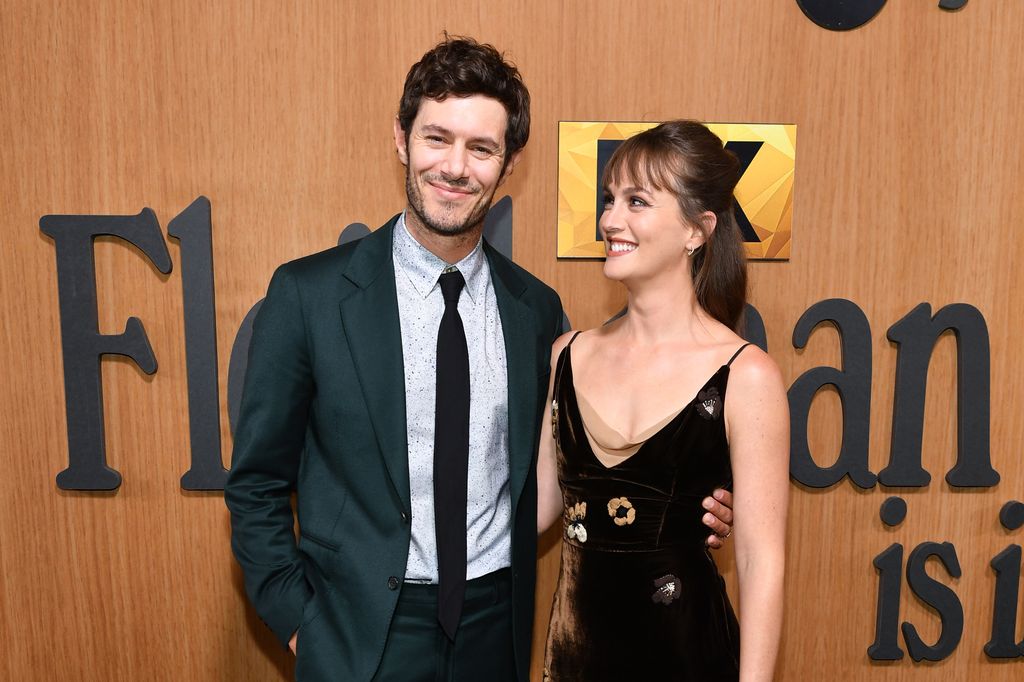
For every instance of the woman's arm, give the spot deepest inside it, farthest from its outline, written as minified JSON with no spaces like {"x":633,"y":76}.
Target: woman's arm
{"x":757,"y":423}
{"x":549,"y":496}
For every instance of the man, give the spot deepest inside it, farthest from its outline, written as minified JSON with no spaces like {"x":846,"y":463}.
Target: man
{"x":396,"y":386}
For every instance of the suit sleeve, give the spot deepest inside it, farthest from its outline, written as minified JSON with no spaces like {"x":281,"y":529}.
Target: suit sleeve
{"x":555,"y":318}
{"x":268,"y":444}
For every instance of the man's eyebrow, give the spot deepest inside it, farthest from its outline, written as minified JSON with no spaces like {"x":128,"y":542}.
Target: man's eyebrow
{"x":435,"y":129}
{"x":488,"y":141}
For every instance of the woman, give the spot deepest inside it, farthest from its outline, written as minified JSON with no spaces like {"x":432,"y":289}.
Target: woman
{"x":641,"y":429}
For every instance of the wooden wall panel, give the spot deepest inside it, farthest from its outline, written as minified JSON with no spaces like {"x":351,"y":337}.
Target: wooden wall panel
{"x":908,"y":172}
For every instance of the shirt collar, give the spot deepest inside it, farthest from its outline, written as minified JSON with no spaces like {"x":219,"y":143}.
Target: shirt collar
{"x":423,"y":268}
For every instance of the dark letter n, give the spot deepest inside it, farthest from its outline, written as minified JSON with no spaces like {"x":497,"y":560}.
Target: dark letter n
{"x":915,"y":336}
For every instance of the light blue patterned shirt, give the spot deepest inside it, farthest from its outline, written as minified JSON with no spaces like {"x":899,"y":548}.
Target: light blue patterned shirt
{"x":420,"y":306}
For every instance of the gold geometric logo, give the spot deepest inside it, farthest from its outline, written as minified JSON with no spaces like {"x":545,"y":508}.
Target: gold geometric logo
{"x":764,"y":193}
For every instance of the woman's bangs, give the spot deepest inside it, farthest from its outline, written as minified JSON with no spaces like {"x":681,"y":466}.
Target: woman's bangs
{"x":644,"y":165}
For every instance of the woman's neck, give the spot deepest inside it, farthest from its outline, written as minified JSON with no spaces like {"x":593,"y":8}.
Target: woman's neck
{"x":666,"y":309}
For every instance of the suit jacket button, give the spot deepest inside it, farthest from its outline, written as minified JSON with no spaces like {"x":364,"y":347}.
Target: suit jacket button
{"x":405,"y":517}
{"x":392,"y":583}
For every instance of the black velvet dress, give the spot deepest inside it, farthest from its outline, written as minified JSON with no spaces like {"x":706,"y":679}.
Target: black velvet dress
{"x":638,"y":596}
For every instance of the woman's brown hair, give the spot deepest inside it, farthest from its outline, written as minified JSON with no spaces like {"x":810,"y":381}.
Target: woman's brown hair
{"x":688,"y":160}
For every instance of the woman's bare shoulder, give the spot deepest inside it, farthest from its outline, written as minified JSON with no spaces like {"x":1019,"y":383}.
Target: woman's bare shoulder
{"x":755,"y":371}
{"x":561,"y":342}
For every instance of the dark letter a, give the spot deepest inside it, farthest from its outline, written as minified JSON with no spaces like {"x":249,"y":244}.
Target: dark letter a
{"x":853,"y":384}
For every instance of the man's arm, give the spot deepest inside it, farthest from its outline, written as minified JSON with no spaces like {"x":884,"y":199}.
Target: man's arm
{"x":265,"y":462}
{"x":718,"y":518}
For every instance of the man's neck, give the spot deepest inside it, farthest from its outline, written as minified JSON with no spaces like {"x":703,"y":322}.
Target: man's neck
{"x":449,"y":248}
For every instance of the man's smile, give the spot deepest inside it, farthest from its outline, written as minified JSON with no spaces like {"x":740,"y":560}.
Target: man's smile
{"x":450,"y":192}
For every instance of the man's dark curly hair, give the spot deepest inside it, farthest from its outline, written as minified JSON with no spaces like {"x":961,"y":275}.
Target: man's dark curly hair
{"x":461,"y":67}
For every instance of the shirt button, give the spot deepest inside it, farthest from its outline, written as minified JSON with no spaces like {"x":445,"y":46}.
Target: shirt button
{"x":392,"y":583}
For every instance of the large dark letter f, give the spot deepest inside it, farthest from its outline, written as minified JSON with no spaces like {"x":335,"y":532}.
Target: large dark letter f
{"x":81,"y":342}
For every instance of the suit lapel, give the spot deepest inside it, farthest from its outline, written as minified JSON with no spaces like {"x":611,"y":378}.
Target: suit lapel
{"x":369,"y":311}
{"x":517,"y":326}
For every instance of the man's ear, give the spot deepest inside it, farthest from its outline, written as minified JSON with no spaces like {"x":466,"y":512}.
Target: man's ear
{"x":509,"y":167}
{"x":401,"y":143}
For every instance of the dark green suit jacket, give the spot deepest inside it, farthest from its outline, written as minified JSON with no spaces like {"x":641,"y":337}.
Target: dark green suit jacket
{"x":323,"y":416}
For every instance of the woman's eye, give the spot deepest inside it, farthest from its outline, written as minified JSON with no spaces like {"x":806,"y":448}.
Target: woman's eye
{"x":637,"y":201}
{"x":607,"y":200}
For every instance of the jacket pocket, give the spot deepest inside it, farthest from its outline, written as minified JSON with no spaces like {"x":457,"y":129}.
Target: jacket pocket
{"x":319,"y":540}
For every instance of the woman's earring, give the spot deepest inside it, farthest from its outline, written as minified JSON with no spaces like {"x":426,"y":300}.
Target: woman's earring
{"x":690,"y":250}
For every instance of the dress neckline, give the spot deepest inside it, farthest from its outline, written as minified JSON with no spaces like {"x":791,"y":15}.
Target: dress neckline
{"x":607,"y":438}
{"x":642,"y":444}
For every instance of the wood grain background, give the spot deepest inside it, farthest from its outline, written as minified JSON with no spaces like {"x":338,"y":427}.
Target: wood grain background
{"x":908,"y":190}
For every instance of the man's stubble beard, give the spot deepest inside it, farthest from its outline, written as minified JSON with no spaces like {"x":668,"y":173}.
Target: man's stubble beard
{"x":416,"y":202}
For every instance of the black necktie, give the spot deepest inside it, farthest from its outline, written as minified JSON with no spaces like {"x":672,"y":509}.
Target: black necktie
{"x":451,"y":455}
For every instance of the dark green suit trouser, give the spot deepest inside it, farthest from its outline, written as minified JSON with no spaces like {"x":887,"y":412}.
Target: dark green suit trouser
{"x":417,"y":650}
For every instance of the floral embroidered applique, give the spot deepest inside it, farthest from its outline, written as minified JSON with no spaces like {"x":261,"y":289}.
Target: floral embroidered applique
{"x":575,"y":530}
{"x":621,"y":510}
{"x":666,"y":590}
{"x":709,"y":403}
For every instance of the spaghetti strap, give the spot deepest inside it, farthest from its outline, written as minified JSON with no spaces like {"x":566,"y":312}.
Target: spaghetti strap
{"x":560,"y":364}
{"x":738,"y":351}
